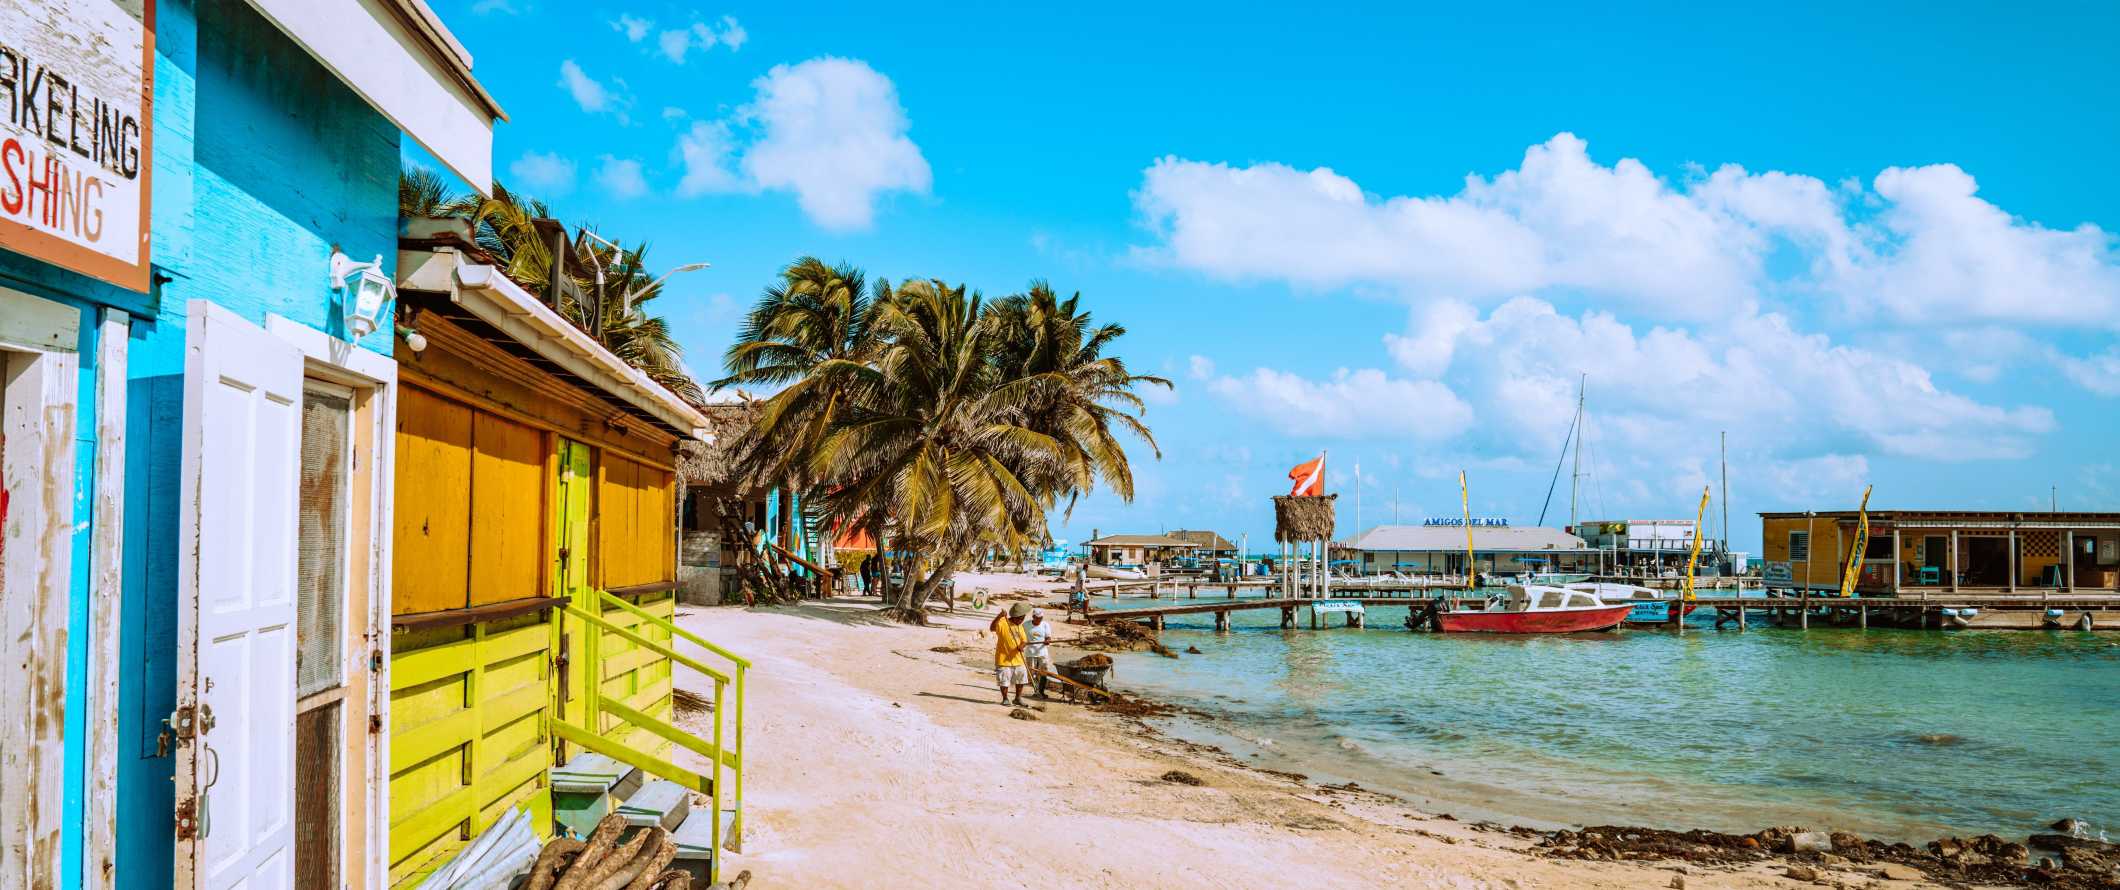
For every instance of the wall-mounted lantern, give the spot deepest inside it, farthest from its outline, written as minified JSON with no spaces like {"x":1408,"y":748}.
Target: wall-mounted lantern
{"x":366,"y":289}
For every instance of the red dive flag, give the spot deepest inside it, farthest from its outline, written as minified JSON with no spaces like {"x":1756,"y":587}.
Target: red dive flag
{"x":1309,"y":477}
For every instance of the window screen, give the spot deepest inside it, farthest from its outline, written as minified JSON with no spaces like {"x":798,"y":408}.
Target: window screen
{"x":322,"y":561}
{"x":1800,"y":546}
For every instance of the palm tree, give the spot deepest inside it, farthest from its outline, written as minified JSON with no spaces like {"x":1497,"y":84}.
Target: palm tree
{"x":961,"y":421}
{"x":1074,"y":391}
{"x":624,"y":327}
{"x":814,"y":315}
{"x":504,"y":225}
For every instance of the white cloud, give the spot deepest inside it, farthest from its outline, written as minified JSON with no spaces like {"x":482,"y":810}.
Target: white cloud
{"x":2098,"y":373}
{"x":591,"y":94}
{"x":1664,"y":390}
{"x":832,"y":131}
{"x":544,"y":172}
{"x":1919,"y":246}
{"x":1830,"y":477}
{"x":504,"y":7}
{"x":733,"y":35}
{"x":1201,"y":367}
{"x":829,"y":130}
{"x":1351,"y":404}
{"x":621,"y":177}
{"x":677,"y":43}
{"x":634,"y":27}
{"x":705,"y":151}
{"x":674,"y":113}
{"x":1942,"y":252}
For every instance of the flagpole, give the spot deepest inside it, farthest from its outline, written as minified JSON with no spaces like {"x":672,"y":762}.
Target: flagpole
{"x":1465,"y":497}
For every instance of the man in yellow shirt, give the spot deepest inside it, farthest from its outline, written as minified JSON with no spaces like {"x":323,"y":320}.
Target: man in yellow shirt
{"x":1008,"y":651}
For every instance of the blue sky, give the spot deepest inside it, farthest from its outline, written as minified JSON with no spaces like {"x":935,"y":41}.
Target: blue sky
{"x":1875,"y":246}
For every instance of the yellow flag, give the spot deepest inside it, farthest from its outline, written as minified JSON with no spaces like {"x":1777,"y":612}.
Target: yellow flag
{"x":1465,"y":497}
{"x":1862,"y":543}
{"x":1693,"y":559}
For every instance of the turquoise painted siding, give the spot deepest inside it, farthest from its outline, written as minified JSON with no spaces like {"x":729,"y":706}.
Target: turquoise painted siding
{"x":263,"y":162}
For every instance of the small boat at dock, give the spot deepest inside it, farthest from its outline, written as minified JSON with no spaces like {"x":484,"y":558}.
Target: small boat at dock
{"x":1537,"y":609}
{"x":1649,"y":614}
{"x":1115,"y":573}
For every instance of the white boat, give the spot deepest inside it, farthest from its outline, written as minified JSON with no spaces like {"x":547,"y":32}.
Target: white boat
{"x":1649,"y":613}
{"x":1114,"y":573}
{"x":1534,"y":609}
{"x":1557,"y":579}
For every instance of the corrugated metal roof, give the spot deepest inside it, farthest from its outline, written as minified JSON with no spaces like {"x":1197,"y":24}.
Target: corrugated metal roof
{"x":1137,"y":541}
{"x":1452,"y":537}
{"x":1206,"y":539}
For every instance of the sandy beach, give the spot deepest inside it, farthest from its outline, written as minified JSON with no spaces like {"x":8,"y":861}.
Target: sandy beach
{"x":881,"y":756}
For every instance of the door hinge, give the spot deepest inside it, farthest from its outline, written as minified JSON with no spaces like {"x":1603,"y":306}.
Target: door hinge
{"x":187,"y":822}
{"x":182,"y":724}
{"x":375,"y":660}
{"x":375,"y":723}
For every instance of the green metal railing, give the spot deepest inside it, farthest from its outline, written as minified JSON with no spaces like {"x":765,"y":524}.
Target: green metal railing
{"x":724,"y":752}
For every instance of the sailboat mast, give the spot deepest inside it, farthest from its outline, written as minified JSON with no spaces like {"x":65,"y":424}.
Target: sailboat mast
{"x":1726,"y":499}
{"x":1575,"y":478}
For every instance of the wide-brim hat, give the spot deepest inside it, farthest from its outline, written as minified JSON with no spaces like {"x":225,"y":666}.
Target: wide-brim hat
{"x":1019,"y":610}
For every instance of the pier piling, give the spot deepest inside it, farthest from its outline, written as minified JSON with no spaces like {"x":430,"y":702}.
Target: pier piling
{"x":1222,"y":621}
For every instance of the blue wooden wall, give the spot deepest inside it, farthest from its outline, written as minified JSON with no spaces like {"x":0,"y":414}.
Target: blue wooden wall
{"x":263,"y":162}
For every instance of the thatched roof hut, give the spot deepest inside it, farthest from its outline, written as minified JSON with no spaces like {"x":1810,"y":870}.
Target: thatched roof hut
{"x":707,"y":464}
{"x":1303,"y":518}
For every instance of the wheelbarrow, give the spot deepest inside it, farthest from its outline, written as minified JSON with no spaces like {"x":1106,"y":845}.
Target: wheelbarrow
{"x":1090,"y":672}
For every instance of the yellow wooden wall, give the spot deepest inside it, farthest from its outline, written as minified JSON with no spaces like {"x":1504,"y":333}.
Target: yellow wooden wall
{"x":468,"y":735}
{"x":637,"y":521}
{"x":431,"y":537}
{"x":470,"y":506}
{"x":471,"y":706}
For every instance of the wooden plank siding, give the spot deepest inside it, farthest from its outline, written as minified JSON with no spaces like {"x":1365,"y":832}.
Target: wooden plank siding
{"x":468,"y":735}
{"x":513,"y":485}
{"x":431,"y":543}
{"x":507,"y":509}
{"x":636,"y":518}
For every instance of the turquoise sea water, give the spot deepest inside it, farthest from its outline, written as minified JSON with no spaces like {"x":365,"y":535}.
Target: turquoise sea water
{"x":1895,"y":734}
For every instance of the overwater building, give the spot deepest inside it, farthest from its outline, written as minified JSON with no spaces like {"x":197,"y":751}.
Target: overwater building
{"x":1438,"y":548}
{"x":1653,"y":547}
{"x":1909,"y":552}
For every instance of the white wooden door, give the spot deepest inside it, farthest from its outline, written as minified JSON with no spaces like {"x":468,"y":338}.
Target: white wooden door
{"x":236,"y":605}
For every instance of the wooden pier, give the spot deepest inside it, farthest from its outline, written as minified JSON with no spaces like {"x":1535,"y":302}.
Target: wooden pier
{"x":2054,"y":611}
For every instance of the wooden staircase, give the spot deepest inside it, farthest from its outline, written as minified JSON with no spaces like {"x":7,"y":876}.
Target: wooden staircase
{"x":591,"y":786}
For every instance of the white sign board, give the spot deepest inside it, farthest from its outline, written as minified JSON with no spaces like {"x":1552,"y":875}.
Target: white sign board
{"x":76,"y":82}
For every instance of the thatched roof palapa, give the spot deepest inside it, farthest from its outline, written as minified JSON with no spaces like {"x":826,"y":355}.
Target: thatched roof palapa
{"x":708,"y":463}
{"x":1303,"y":518}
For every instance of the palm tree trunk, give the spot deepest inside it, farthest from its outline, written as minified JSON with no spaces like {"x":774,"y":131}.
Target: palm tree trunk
{"x":787,"y":527}
{"x":883,"y":569}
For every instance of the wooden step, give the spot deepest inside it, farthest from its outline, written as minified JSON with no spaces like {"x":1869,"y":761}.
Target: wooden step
{"x":695,"y":841}
{"x":587,"y":788}
{"x":659,"y":802}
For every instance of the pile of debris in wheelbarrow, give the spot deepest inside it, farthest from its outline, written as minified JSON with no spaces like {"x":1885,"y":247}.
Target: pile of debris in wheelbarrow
{"x":1089,"y":679}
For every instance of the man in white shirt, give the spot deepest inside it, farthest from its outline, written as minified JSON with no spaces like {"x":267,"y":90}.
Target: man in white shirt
{"x":1037,"y":649}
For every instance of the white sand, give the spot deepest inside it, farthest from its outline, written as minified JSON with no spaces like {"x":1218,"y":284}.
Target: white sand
{"x":876,"y":762}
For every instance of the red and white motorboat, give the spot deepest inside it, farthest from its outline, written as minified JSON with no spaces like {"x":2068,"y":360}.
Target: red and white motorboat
{"x":1656,"y":613}
{"x":1537,"y":609}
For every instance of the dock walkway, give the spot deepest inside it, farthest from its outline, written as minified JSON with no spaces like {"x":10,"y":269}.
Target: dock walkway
{"x":2050,"y":610}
